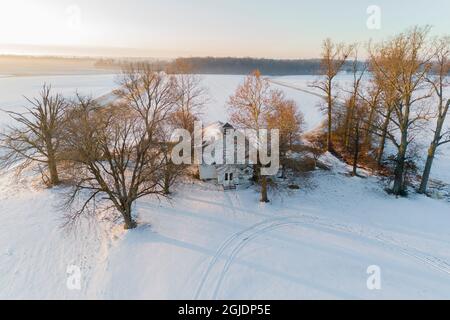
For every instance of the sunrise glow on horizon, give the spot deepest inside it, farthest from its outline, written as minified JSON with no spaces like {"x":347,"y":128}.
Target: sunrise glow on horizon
{"x":272,"y":29}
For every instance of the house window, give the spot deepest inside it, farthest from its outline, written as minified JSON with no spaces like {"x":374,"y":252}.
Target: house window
{"x":226,"y":176}
{"x":231,"y":176}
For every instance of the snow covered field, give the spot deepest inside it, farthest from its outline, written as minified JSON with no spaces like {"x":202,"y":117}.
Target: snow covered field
{"x":13,"y":89}
{"x":208,"y":244}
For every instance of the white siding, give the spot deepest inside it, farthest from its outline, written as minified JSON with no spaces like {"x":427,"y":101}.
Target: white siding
{"x":207,"y":172}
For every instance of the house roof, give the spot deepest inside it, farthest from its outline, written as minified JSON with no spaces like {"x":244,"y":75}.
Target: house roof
{"x":216,"y":130}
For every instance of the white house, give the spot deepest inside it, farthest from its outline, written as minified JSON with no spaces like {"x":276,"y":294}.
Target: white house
{"x":227,"y":175}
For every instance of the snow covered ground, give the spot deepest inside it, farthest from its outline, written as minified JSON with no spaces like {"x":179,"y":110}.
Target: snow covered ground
{"x":204,"y":243}
{"x":13,"y":89}
{"x":300,"y":246}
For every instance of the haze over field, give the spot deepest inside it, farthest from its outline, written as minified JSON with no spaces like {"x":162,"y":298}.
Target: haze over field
{"x":168,"y":29}
{"x":102,"y":195}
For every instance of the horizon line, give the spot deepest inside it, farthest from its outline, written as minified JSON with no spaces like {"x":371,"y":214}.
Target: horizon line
{"x":98,"y":57}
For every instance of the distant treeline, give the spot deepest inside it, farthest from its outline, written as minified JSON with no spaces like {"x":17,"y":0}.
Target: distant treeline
{"x":211,"y":65}
{"x":232,"y":66}
{"x":120,"y":63}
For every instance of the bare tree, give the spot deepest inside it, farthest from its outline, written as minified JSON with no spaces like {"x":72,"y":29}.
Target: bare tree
{"x":171,"y":171}
{"x":149,"y":93}
{"x":192,"y":97}
{"x":353,"y":100}
{"x":403,"y":64}
{"x":285,"y":116}
{"x":118,"y":148}
{"x":36,"y":137}
{"x":389,"y":99}
{"x":355,"y":114}
{"x":357,"y":133}
{"x":249,"y":108}
{"x":371,"y":96}
{"x":438,"y":79}
{"x":334,"y":57}
{"x":114,"y":159}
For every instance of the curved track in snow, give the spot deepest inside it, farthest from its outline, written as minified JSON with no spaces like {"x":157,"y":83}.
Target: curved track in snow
{"x":210,"y":284}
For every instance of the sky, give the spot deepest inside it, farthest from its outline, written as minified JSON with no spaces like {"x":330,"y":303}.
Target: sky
{"x":172,"y":28}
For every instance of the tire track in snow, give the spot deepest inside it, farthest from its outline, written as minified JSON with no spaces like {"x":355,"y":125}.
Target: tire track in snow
{"x":239,"y":236}
{"x":240,"y":246}
{"x":403,"y":248}
{"x":291,"y":86}
{"x":287,"y":221}
{"x":287,"y":85}
{"x":245,"y":236}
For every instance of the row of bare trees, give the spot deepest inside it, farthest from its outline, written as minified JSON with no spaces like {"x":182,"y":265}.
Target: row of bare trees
{"x":119,"y":151}
{"x":392,"y":100}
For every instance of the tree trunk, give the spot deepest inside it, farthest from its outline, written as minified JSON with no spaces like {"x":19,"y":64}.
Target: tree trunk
{"x":167,"y":181}
{"x":51,"y":158}
{"x":427,"y":169}
{"x":283,"y":164}
{"x":128,"y":218}
{"x":346,"y":130}
{"x":399,"y":185}
{"x":383,"y":138}
{"x":431,"y":153}
{"x":368,"y":138}
{"x":399,"y":172}
{"x":256,"y":172}
{"x":398,"y":188}
{"x":356,"y":151}
{"x":54,"y":178}
{"x":330,"y":117}
{"x":264,"y":197}
{"x":348,"y":126}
